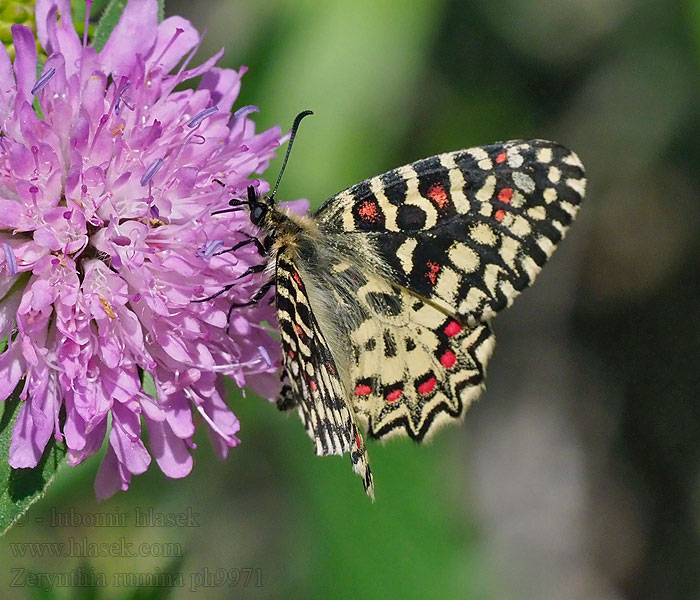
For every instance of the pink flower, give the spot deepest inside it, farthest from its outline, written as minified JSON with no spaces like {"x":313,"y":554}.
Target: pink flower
{"x":107,"y":236}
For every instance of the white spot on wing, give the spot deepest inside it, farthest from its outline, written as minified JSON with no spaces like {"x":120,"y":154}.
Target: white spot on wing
{"x":483,"y":234}
{"x":544,"y":155}
{"x":578,"y":185}
{"x":463,"y":257}
{"x":457,"y":182}
{"x":515,"y":159}
{"x":550,"y":195}
{"x":524,"y":182}
{"x":487,"y":190}
{"x":447,"y":284}
{"x":573,"y":160}
{"x":405,"y":254}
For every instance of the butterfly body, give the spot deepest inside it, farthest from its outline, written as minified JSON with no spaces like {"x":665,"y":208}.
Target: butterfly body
{"x":385,"y":295}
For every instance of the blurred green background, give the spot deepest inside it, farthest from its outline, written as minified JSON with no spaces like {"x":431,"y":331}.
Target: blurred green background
{"x":577,"y":475}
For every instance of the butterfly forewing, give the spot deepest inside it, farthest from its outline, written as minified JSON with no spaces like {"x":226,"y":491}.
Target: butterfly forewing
{"x":470,"y":229}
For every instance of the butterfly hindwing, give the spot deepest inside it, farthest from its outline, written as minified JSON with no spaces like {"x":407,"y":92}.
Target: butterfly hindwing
{"x":469,"y":229}
{"x":310,"y":377}
{"x":415,"y":366}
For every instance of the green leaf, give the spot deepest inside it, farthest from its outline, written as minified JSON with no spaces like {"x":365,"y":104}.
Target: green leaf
{"x":78,"y":11}
{"x":36,"y":105}
{"x":149,"y":386}
{"x":20,"y":488}
{"x":109,"y":20}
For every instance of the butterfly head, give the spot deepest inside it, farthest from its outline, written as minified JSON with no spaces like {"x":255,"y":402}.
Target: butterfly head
{"x":260,"y":206}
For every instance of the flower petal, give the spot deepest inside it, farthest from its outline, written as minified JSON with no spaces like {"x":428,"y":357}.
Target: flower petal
{"x":170,"y":451}
{"x":223,"y":86}
{"x":134,"y":35}
{"x":12,"y":367}
{"x":111,"y":476}
{"x":175,"y":38}
{"x":25,"y":61}
{"x":42,"y":10}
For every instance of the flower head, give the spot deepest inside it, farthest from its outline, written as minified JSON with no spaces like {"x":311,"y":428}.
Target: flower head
{"x":107,"y":234}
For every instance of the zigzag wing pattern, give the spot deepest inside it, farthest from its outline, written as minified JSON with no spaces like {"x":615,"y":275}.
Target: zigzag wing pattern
{"x":414,"y":366}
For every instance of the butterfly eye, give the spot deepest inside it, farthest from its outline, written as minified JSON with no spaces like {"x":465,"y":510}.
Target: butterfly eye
{"x":257,"y":213}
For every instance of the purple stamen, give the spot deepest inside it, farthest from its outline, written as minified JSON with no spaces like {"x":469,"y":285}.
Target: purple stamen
{"x":197,"y":402}
{"x":198,"y":118}
{"x":46,"y":76}
{"x":10,"y":260}
{"x":134,"y":438}
{"x":136,"y":297}
{"x":265,"y":356}
{"x":100,"y":127}
{"x":121,"y":240}
{"x":151,"y":171}
{"x":35,"y":152}
{"x":210,"y":247}
{"x":178,"y":32}
{"x":118,"y":103}
{"x":33,"y":190}
{"x":88,"y":6}
{"x":155,"y":213}
{"x":245,"y":110}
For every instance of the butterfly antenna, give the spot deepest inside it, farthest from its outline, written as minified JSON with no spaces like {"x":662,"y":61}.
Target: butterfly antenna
{"x":292,"y":135}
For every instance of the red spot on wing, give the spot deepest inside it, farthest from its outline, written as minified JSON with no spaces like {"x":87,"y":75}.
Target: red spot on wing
{"x":358,"y":441}
{"x":312,"y":385}
{"x":363,"y":390}
{"x":438,"y":195}
{"x":433,"y":270}
{"x":448,"y":359}
{"x":505,"y":195}
{"x":427,"y":387}
{"x":368,"y":211}
{"x":501,"y":157}
{"x":500,"y":215}
{"x":296,"y":277}
{"x":452,"y":329}
{"x":331,"y":368}
{"x":299,"y":330}
{"x":393,"y":396}
{"x":291,"y":354}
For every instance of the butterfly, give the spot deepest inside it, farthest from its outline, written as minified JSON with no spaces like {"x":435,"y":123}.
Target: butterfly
{"x":385,"y":295}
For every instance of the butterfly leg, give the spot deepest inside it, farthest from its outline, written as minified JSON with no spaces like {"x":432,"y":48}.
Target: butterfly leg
{"x":257,"y":297}
{"x":251,"y":240}
{"x":254,"y":269}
